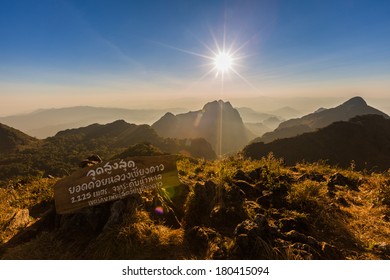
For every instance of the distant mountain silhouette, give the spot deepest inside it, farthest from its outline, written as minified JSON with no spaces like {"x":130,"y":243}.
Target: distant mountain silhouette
{"x":12,"y":139}
{"x":363,"y":139}
{"x":47,"y":122}
{"x":257,"y":129}
{"x":321,"y":118}
{"x":259,"y":123}
{"x":251,"y":116}
{"x":286,"y":112}
{"x":320,"y":110}
{"x":218,"y":122}
{"x":273,"y":122}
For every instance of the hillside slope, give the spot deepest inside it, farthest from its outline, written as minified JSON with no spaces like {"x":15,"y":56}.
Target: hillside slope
{"x":364,"y":140}
{"x":12,"y":139}
{"x":61,"y":154}
{"x":321,"y":118}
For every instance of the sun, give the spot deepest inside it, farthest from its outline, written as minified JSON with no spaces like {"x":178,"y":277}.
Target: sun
{"x":223,"y":62}
{"x":223,"y":58}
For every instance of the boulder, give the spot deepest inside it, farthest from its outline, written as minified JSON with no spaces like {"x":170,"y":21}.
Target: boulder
{"x":249,"y":190}
{"x":338,"y":179}
{"x":240,"y":175}
{"x":288,"y":224}
{"x":199,"y":204}
{"x":330,"y":252}
{"x":90,"y":161}
{"x":226,"y":217}
{"x":274,"y":197}
{"x":382,"y":248}
{"x":305,"y":251}
{"x":199,"y":237}
{"x":297,"y":237}
{"x":228,"y":211}
{"x":116,"y":213}
{"x":20,"y":219}
{"x":317,"y":177}
{"x":252,"y":240}
{"x":341,"y":200}
{"x":265,"y":200}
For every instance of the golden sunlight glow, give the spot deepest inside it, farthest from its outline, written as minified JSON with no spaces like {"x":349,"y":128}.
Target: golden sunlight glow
{"x":223,"y":62}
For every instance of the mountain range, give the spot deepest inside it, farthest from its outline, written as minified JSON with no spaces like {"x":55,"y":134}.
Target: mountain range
{"x":121,"y":135}
{"x":22,"y":155}
{"x":216,"y":129}
{"x":363,"y":140}
{"x":218,"y":122}
{"x":249,"y":115}
{"x":321,"y":118}
{"x":47,"y":122}
{"x":228,"y":208}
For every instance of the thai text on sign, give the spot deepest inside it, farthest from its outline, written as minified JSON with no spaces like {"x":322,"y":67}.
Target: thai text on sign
{"x":114,"y":179}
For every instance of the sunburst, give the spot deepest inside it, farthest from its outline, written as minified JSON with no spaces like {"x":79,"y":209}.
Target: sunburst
{"x":222,"y":60}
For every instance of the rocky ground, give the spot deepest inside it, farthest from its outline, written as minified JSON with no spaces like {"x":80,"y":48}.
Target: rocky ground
{"x":232,"y":208}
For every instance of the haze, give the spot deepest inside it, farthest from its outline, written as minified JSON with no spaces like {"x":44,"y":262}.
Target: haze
{"x":137,"y":54}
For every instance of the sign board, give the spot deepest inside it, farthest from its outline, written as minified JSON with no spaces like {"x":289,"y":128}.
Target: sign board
{"x":114,"y":179}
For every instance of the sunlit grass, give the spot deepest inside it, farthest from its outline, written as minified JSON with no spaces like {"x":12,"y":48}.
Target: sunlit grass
{"x":354,"y":219}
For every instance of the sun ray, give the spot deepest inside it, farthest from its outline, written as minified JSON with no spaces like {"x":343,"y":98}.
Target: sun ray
{"x":243,"y":45}
{"x":184,"y":51}
{"x":200,"y":79}
{"x":243,"y":78}
{"x":207,"y":47}
{"x":223,"y":59}
{"x":215,"y":41}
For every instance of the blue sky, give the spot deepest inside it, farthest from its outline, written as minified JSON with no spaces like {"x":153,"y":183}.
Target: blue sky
{"x":93,"y":52}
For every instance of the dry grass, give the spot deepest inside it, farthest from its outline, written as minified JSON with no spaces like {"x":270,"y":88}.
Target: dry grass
{"x":44,"y":247}
{"x":368,"y":219}
{"x":138,"y":237}
{"x":31,"y":194}
{"x":307,"y":195}
{"x":352,"y":219}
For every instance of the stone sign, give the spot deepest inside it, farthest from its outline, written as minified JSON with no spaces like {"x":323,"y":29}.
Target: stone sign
{"x":114,"y":179}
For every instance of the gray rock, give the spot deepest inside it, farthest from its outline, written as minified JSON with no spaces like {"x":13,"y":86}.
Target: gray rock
{"x":116,"y":210}
{"x":338,"y":179}
{"x":20,"y":219}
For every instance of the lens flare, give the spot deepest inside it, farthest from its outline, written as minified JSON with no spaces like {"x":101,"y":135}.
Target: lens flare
{"x":159,"y":210}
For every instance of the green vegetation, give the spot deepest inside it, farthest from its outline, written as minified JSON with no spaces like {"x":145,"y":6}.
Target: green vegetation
{"x":60,"y":155}
{"x":13,"y":139}
{"x":232,"y":208}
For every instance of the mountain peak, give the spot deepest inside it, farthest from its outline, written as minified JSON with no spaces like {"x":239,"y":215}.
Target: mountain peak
{"x":218,"y":122}
{"x":355,"y":106}
{"x":355,"y":101}
{"x":169,"y":115}
{"x":217,"y":104}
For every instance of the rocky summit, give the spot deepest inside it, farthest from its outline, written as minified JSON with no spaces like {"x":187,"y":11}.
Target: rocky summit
{"x":218,"y":122}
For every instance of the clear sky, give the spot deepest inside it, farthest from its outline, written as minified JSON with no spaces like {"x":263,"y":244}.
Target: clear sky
{"x":124,"y":53}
